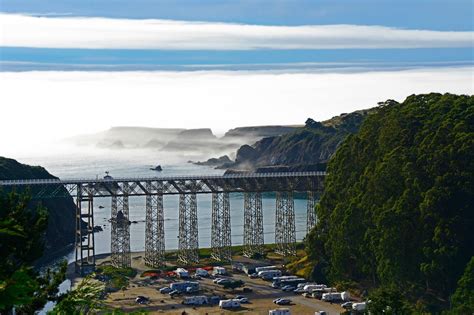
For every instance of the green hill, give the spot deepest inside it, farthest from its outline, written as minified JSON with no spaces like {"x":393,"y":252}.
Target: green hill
{"x":61,"y":222}
{"x":397,"y":212}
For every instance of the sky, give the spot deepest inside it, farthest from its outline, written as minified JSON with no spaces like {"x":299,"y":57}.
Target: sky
{"x":71,"y":67}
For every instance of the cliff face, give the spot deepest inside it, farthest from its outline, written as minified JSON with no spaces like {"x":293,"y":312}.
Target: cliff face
{"x":307,"y":147}
{"x":61,"y":222}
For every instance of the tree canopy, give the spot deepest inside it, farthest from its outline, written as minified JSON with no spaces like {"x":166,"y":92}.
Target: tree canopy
{"x":397,"y":210}
{"x":22,"y":234}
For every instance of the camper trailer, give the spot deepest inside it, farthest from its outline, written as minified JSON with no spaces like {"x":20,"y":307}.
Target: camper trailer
{"x":195,"y":300}
{"x":269,"y":274}
{"x":234,"y":303}
{"x":184,"y":285}
{"x":335,"y":296}
{"x":258,"y":269}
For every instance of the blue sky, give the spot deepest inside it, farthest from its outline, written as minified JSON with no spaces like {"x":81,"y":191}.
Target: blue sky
{"x":219,"y":64}
{"x":426,"y":14}
{"x":434,"y":15}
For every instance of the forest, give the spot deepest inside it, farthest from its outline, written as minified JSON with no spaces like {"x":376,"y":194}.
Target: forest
{"x":396,"y":216}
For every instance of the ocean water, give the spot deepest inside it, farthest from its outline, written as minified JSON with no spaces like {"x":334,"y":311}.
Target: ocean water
{"x":84,"y":163}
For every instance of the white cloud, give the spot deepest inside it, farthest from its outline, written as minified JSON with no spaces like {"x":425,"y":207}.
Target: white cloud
{"x":106,"y":33}
{"x":38,"y":106}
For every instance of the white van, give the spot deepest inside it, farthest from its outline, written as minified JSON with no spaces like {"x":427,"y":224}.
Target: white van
{"x":359,"y":306}
{"x":219,"y":271}
{"x":234,"y":303}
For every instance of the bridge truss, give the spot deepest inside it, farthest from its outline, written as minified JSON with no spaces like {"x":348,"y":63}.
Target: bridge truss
{"x":252,"y":185}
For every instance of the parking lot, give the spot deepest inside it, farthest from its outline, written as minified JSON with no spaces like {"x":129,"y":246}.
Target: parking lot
{"x":260,"y":299}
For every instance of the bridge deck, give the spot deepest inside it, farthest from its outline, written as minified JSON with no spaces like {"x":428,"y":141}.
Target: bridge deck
{"x":170,"y":185}
{"x":29,"y":182}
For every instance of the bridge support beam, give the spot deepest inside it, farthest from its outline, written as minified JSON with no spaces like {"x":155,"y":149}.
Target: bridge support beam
{"x":285,"y":233}
{"x":188,"y":246}
{"x":120,"y":239}
{"x":84,"y":238}
{"x":220,"y":231}
{"x":310,"y":212}
{"x":253,"y":224}
{"x":154,"y":230}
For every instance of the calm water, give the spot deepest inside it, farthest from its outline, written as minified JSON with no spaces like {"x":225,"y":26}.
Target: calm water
{"x":89,"y":164}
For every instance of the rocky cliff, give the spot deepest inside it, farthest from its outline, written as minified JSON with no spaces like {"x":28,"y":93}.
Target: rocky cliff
{"x":305,"y":148}
{"x":61,"y":222}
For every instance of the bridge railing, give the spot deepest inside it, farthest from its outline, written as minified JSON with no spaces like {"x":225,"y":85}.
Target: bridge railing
{"x":155,"y":178}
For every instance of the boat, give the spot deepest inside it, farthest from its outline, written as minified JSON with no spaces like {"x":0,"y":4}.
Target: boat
{"x":156,"y":168}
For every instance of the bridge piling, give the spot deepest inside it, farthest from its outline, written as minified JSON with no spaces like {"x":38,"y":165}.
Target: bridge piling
{"x":120,"y":238}
{"x":188,"y":244}
{"x":84,"y":237}
{"x":310,"y":212}
{"x":253,"y":224}
{"x":154,"y":230}
{"x":285,"y":232}
{"x":220,"y":231}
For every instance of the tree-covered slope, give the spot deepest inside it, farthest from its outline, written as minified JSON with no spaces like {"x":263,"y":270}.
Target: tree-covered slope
{"x":398,"y":205}
{"x":61,"y":222}
{"x":306,"y":146}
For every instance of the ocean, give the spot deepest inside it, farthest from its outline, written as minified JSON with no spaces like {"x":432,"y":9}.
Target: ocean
{"x":86,"y":163}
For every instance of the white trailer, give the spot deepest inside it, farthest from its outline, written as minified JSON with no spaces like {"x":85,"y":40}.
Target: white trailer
{"x":195,"y":300}
{"x":279,"y":311}
{"x":311,"y":287}
{"x":269,"y":274}
{"x":258,"y":269}
{"x":335,"y":296}
{"x":234,"y":303}
{"x":184,"y":285}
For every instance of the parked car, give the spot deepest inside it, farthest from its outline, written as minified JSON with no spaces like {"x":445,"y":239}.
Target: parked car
{"x":244,"y":300}
{"x":239,"y":297}
{"x":282,"y":301}
{"x":320,"y":313}
{"x":299,"y":290}
{"x":214,"y":299}
{"x":217,"y":279}
{"x":253,"y":275}
{"x":174,"y":293}
{"x":288,"y":288}
{"x":142,"y":300}
{"x":347,"y":305}
{"x":247,"y":290}
{"x":223,"y":281}
{"x":165,"y":290}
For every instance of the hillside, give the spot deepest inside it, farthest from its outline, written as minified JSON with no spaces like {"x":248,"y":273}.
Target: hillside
{"x":61,"y":222}
{"x":304,"y":148}
{"x":397,"y":213}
